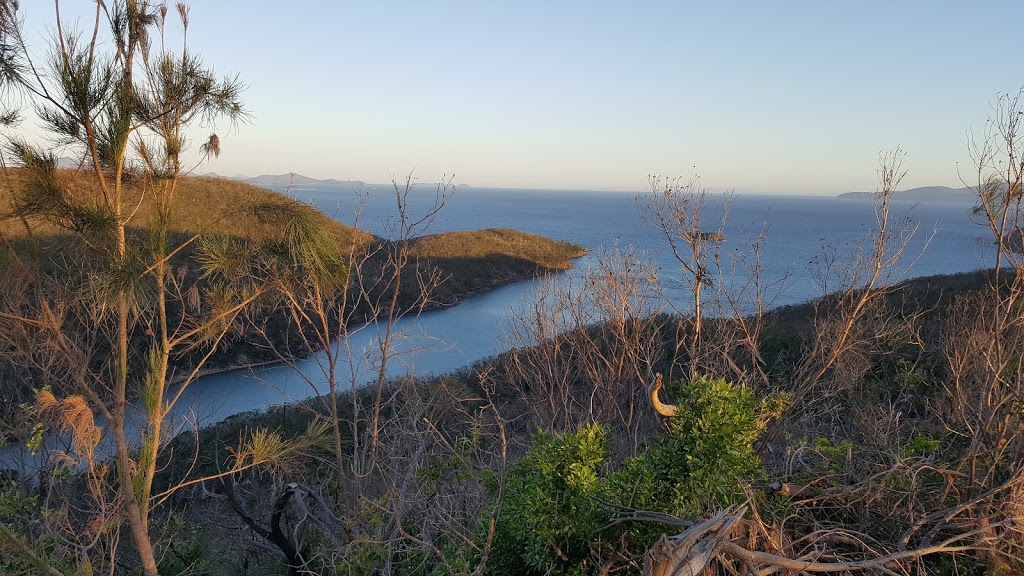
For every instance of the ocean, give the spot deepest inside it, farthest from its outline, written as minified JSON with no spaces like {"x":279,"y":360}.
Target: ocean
{"x":798,"y":231}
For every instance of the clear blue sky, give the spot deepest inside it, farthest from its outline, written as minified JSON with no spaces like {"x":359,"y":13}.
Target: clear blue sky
{"x":793,"y":96}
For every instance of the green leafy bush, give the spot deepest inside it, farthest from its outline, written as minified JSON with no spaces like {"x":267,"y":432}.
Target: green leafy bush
{"x":550,"y":518}
{"x":700,"y":463}
{"x":554,"y":519}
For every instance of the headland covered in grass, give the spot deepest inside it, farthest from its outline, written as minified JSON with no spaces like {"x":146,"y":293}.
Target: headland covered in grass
{"x":461,"y":264}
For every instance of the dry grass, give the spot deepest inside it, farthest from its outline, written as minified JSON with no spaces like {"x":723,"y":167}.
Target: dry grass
{"x":201,"y":205}
{"x":470,"y":263}
{"x":499,"y":242}
{"x":214,"y":206}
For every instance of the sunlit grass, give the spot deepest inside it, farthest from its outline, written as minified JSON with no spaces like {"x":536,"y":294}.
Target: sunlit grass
{"x":200,"y":206}
{"x":498,"y":242}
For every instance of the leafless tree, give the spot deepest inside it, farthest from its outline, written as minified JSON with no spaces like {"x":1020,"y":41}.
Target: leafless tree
{"x":678,"y":207}
{"x":719,"y":327}
{"x":984,"y":337}
{"x":582,"y":350}
{"x":853,"y":315}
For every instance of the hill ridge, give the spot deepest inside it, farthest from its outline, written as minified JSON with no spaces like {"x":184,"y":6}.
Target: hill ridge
{"x":922,"y":194}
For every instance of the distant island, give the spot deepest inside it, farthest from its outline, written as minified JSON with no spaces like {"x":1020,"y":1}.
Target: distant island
{"x":295,"y":179}
{"x":922,"y":194}
{"x":926,"y":194}
{"x":287,"y":179}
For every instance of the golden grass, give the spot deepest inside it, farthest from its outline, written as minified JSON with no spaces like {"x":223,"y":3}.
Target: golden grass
{"x":217,"y":206}
{"x":201,"y":205}
{"x":499,"y":242}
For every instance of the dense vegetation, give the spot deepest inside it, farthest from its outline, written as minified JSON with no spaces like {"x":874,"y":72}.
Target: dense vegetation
{"x":877,"y":429}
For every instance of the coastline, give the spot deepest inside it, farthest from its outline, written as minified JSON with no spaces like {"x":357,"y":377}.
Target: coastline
{"x":432,"y":306}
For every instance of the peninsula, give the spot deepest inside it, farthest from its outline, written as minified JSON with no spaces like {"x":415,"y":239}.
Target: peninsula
{"x":460,"y":264}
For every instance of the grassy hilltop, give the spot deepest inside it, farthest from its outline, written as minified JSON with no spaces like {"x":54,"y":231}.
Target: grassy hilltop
{"x":464,"y":263}
{"x":202,"y":205}
{"x":469,"y":262}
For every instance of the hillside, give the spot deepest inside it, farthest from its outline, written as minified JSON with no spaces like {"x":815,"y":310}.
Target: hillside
{"x":477,"y":261}
{"x":215,"y":206}
{"x":201,"y":205}
{"x":466,"y":263}
{"x":809,"y":480}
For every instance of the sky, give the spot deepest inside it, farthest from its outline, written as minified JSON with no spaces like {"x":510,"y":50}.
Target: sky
{"x":796,"y":97}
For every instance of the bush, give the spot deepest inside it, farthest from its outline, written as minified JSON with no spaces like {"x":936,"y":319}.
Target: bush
{"x":550,"y":519}
{"x":554,"y":521}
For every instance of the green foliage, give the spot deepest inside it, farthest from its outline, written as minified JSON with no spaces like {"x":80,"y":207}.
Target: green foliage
{"x":363,"y":556}
{"x":222,"y":256}
{"x":554,"y":520}
{"x":187,"y":554}
{"x":35,"y":441}
{"x":270,"y":449}
{"x":920,"y":446}
{"x":550,"y":519}
{"x":832,"y":457}
{"x":695,"y":466}
{"x":45,"y":197}
{"x":23,"y":551}
{"x":302,"y":241}
{"x":126,"y":280}
{"x":13,"y":502}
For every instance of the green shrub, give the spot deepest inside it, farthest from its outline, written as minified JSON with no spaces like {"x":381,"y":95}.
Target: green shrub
{"x":550,"y":518}
{"x":699,"y":464}
{"x":554,"y":520}
{"x":24,"y":548}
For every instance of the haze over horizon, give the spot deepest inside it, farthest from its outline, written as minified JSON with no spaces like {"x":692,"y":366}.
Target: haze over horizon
{"x":793,"y":98}
{"x":294,"y":179}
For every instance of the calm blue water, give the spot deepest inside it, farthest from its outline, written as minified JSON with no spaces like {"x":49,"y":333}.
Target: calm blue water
{"x":798,"y":228}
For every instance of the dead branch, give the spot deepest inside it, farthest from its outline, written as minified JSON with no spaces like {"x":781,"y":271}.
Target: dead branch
{"x":692,"y":551}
